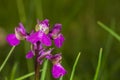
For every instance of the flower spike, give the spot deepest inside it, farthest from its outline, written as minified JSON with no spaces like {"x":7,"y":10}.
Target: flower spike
{"x":41,"y":42}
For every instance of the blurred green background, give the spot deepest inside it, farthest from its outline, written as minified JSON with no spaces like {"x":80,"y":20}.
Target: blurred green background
{"x":82,"y":34}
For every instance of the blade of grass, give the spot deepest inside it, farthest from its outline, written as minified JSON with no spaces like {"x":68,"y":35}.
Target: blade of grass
{"x":99,"y":64}
{"x":44,"y":70}
{"x":107,"y":49}
{"x":109,"y":30}
{"x":26,"y":76}
{"x":74,"y":66}
{"x":13,"y":71}
{"x":6,"y":59}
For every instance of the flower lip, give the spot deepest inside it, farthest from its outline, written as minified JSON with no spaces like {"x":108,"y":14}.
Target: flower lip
{"x":12,"y":40}
{"x":30,"y":54}
{"x":58,"y":71}
{"x":59,"y":40}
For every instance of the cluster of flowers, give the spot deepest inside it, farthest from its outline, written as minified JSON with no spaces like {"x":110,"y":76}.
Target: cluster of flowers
{"x":41,"y":39}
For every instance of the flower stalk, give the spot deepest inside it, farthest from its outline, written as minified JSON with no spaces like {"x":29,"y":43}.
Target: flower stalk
{"x":37,"y":68}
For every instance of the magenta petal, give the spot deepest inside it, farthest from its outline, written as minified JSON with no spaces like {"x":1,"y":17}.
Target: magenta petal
{"x":29,"y":55}
{"x":58,"y":71}
{"x":34,"y":37}
{"x":46,"y":40}
{"x":45,"y":22}
{"x":21,"y":29}
{"x":12,"y":40}
{"x":59,"y":40}
{"x":56,"y":29}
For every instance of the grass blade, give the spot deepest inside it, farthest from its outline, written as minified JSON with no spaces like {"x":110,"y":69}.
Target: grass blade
{"x":74,"y":66}
{"x":99,"y":64}
{"x":6,"y":59}
{"x":13,"y":71}
{"x":109,"y":30}
{"x":44,"y":70}
{"x":26,"y":76}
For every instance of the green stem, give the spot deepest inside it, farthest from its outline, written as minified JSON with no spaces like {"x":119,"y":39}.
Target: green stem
{"x":74,"y":66}
{"x":6,"y":59}
{"x":99,"y":63}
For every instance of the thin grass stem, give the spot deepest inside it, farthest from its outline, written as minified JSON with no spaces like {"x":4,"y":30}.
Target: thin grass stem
{"x":99,"y":64}
{"x":74,"y":66}
{"x":109,"y":30}
{"x":26,"y":76}
{"x":13,"y":71}
{"x":6,"y":59}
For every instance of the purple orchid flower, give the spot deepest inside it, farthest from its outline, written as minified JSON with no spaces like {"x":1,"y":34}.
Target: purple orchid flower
{"x":59,"y":40}
{"x":43,"y":26}
{"x":39,"y":36}
{"x":41,"y":40}
{"x":20,"y":33}
{"x":58,"y":70}
{"x":44,"y":54}
{"x":30,"y":55}
{"x":57,"y":36}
